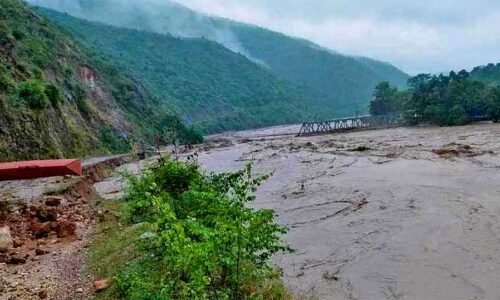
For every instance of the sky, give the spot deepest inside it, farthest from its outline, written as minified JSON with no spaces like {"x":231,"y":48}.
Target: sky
{"x":418,"y":36}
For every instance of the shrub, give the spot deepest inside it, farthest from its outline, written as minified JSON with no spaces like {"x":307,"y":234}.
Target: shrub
{"x":7,"y":84}
{"x":208,"y":243}
{"x":112,"y":142}
{"x":33,"y":94}
{"x":54,"y":94}
{"x":18,"y":34}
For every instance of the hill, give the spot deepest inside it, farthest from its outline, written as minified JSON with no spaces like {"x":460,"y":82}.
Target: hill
{"x":341,"y":83}
{"x":207,"y":84}
{"x":57,"y":99}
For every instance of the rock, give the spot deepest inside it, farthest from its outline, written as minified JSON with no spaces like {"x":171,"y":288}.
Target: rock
{"x":361,"y":149}
{"x":100,"y":285}
{"x":79,"y":290}
{"x":18,"y":243}
{"x":16,"y":260}
{"x":446,"y":152}
{"x":44,"y":214}
{"x":6,"y":242}
{"x":53,"y":200}
{"x":31,"y":244}
{"x":331,"y":275}
{"x":65,"y":229}
{"x":40,"y":230}
{"x":40,"y":251}
{"x":147,"y":235}
{"x":42,"y":294}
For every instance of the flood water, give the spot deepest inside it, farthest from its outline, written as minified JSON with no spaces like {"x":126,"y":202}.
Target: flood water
{"x":406,"y":213}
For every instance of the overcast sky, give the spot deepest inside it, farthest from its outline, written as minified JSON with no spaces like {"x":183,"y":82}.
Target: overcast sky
{"x":415,"y":35}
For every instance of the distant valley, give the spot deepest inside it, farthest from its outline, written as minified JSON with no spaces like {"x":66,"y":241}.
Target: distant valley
{"x":313,"y":79}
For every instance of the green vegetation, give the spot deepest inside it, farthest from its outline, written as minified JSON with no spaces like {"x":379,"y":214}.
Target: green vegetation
{"x":48,"y":109}
{"x":54,"y":94}
{"x":456,"y":99}
{"x":217,"y":89}
{"x":199,"y":239}
{"x":342,"y":84}
{"x":489,"y":74}
{"x":112,"y":142}
{"x":33,"y":93}
{"x":211,"y":87}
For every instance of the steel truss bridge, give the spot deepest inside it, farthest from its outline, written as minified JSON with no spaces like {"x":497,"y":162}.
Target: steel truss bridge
{"x":351,"y":123}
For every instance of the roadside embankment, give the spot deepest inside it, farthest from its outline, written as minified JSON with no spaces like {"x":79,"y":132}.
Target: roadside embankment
{"x":45,"y":226}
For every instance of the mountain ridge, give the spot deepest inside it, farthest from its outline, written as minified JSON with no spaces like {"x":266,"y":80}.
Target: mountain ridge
{"x":344,"y":87}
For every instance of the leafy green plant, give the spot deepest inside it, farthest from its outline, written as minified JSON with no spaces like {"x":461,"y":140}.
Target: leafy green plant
{"x":54,"y":94}
{"x":112,"y":142}
{"x":7,"y":84}
{"x":33,"y":93}
{"x":208,"y":243}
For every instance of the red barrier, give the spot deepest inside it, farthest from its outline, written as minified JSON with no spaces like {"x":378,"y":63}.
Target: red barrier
{"x":39,"y":168}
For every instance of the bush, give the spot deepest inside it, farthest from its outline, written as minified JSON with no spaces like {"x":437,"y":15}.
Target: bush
{"x":33,"y":94}
{"x":207,"y":243}
{"x":54,"y":94}
{"x":7,"y":84}
{"x":112,"y":142}
{"x":18,"y":34}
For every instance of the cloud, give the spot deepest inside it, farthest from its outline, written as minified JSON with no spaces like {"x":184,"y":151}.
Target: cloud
{"x":418,"y":36}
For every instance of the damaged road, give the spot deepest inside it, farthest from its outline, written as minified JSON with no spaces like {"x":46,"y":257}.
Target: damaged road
{"x":44,"y":229}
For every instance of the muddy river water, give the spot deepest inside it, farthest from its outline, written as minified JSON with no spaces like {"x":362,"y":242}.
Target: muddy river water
{"x":406,"y":213}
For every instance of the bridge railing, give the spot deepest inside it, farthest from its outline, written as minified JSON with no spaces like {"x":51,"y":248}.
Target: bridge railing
{"x":352,"y":123}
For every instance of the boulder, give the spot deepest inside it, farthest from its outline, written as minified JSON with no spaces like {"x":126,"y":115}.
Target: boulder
{"x":16,"y":260}
{"x":54,"y":200}
{"x":100,"y":285}
{"x":6,"y":242}
{"x":44,"y":214}
{"x":65,"y":229}
{"x":40,"y":230}
{"x":40,"y":251}
{"x":42,"y":294}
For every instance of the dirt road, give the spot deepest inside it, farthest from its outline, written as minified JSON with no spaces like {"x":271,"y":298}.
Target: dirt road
{"x":388,"y":214}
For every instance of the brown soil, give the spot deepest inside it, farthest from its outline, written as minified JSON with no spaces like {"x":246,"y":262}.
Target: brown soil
{"x":50,"y":229}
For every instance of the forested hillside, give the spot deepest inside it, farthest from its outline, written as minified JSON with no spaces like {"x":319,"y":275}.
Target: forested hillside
{"x":345,"y":82}
{"x":59,"y":100}
{"x":209,"y":85}
{"x":341,"y":84}
{"x":456,"y":99}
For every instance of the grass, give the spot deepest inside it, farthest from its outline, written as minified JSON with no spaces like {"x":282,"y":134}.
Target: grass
{"x":113,"y":244}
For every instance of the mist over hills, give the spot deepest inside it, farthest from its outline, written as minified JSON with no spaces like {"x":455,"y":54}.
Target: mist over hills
{"x":341,"y":84}
{"x":203,"y":82}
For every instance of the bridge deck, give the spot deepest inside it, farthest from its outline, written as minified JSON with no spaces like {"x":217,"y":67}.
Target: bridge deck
{"x":352,"y":123}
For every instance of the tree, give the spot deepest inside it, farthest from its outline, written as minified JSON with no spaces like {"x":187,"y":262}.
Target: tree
{"x":494,"y":105}
{"x":384,"y":99}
